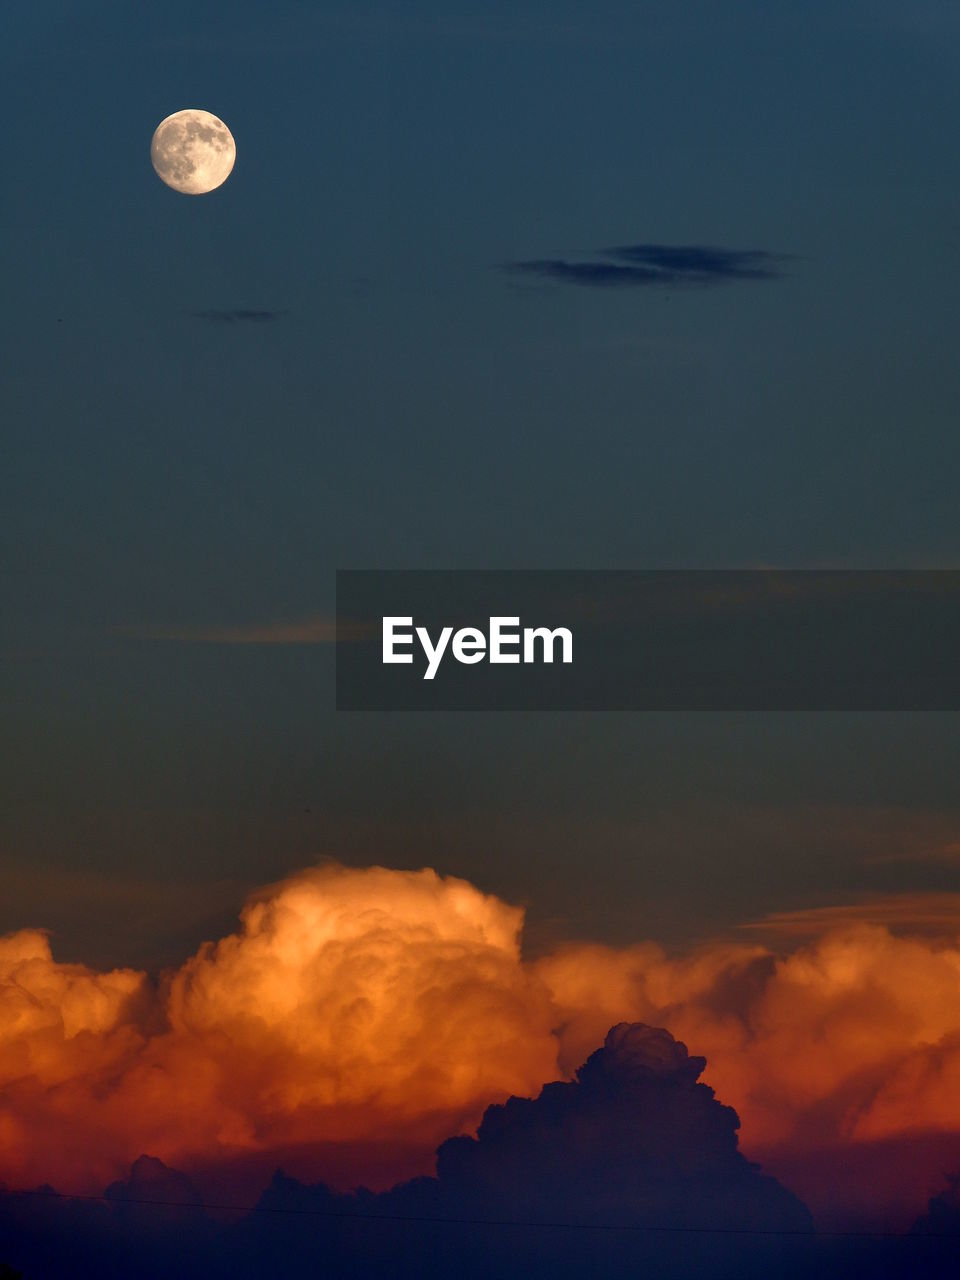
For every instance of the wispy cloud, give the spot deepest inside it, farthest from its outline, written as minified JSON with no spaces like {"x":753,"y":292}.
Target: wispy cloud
{"x":308,"y":631}
{"x":923,"y":913}
{"x":646,"y":265}
{"x":236,"y":315}
{"x":947,"y":854}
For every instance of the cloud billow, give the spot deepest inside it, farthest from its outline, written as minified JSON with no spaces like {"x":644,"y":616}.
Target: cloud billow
{"x":360,"y":1016}
{"x":650,"y":265}
{"x":634,"y":1140}
{"x":634,"y":1149}
{"x":364,"y":1015}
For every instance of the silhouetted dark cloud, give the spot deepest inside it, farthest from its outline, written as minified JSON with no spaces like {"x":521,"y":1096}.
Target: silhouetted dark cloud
{"x":236,"y":315}
{"x":150,"y":1179}
{"x":634,"y":1139}
{"x":936,"y":1234}
{"x":632,"y":1164}
{"x":643,"y":265}
{"x":943,"y":1212}
{"x":632,"y":1168}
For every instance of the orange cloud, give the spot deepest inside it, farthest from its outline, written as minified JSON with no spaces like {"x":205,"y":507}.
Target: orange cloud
{"x":853,"y":1035}
{"x":351,"y":1006}
{"x":382,"y":998}
{"x":936,"y":914}
{"x":361,"y":1008}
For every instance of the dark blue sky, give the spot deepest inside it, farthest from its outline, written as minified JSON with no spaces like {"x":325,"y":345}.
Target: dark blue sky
{"x":413,"y":403}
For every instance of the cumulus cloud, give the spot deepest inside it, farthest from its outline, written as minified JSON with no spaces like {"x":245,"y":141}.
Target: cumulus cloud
{"x":848,"y":1037}
{"x":351,"y":1006}
{"x":66,"y":1034}
{"x":634,"y":1149}
{"x":384,"y":997}
{"x":357,"y":1018}
{"x":632,"y":1139}
{"x":631,"y":1167}
{"x":152,"y":1182}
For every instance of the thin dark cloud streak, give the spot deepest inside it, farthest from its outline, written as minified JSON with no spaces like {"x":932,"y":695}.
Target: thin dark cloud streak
{"x":651,"y":265}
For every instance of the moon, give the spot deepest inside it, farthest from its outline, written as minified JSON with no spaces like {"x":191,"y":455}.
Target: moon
{"x":193,"y":151}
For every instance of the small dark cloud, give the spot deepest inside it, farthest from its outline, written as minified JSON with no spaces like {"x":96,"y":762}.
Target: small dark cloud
{"x":644,"y":265}
{"x":236,"y":315}
{"x":703,"y":263}
{"x":599,"y":274}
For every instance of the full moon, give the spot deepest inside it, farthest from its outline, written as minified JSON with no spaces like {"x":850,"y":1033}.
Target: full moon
{"x":193,"y":151}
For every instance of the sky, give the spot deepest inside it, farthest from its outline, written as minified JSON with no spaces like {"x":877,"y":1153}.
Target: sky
{"x":526,"y":285}
{"x":418,"y":394}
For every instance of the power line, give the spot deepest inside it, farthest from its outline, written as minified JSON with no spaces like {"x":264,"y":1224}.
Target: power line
{"x":291,"y":1211}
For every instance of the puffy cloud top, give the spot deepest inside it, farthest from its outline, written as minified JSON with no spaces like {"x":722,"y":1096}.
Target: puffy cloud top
{"x":633,"y":1139}
{"x":359,"y":1017}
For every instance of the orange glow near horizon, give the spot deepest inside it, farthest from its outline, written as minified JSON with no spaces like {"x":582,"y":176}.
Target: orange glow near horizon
{"x":374,"y":1006}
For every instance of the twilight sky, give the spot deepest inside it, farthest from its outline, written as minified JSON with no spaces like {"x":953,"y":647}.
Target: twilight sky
{"x":422,"y":325}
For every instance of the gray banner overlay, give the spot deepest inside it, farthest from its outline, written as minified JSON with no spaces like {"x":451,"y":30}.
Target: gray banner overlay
{"x":796,"y":640}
